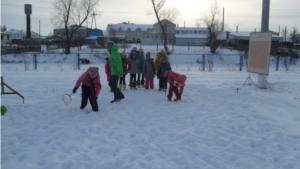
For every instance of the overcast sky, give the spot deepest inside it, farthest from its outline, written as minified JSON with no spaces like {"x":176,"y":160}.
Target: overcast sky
{"x":246,"y":14}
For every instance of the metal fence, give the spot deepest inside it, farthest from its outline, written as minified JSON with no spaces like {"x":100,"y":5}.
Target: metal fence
{"x":75,"y":61}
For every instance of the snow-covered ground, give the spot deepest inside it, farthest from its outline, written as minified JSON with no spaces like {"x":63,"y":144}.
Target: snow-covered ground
{"x":219,"y":123}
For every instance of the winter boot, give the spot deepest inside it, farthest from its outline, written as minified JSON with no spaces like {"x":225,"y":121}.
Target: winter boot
{"x":143,"y":83}
{"x":131,"y":84}
{"x":169,"y":99}
{"x":134,"y":85}
{"x":138,"y":83}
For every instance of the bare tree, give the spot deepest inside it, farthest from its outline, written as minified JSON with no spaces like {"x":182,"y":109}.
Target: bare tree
{"x":164,"y":14}
{"x":214,"y":25}
{"x":72,"y":13}
{"x":294,"y":35}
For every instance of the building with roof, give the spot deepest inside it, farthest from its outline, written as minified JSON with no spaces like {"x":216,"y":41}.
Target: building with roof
{"x":240,"y":40}
{"x":8,"y":36}
{"x":154,"y":35}
{"x":127,"y":32}
{"x":191,"y":36}
{"x":80,"y":34}
{"x":97,"y":36}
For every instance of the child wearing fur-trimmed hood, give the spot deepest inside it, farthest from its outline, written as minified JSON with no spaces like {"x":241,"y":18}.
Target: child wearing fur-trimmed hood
{"x":90,"y":87}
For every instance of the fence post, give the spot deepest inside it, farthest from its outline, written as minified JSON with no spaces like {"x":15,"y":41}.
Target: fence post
{"x":78,"y":61}
{"x":241,"y":62}
{"x":34,"y":61}
{"x":277,"y":63}
{"x":203,"y":62}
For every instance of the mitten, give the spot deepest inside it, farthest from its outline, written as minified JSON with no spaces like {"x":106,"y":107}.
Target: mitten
{"x":74,"y":90}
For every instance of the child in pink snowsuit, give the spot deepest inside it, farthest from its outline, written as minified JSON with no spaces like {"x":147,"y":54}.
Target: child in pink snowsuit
{"x":91,"y":87}
{"x":175,"y":80}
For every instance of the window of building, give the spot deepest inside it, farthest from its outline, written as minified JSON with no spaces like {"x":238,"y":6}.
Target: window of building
{"x":120,"y":30}
{"x":7,"y":37}
{"x":139,"y":32}
{"x":128,"y":30}
{"x":1,"y":37}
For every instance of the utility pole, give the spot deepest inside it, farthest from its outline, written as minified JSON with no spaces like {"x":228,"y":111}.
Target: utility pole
{"x":94,"y":17}
{"x":262,"y":79}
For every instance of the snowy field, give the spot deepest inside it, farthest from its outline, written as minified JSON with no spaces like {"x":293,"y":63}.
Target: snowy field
{"x":219,"y":123}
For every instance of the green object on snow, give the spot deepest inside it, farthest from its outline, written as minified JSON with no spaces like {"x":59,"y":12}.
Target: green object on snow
{"x":3,"y":110}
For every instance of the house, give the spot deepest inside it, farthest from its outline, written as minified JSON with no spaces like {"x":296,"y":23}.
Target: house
{"x":97,"y":36}
{"x":5,"y":38}
{"x":154,"y":35}
{"x":127,"y":32}
{"x":241,"y":39}
{"x":80,"y":34}
{"x":8,"y":36}
{"x":191,"y":36}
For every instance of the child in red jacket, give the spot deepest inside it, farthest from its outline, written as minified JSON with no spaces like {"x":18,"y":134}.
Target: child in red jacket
{"x":176,"y":81}
{"x":91,"y":87}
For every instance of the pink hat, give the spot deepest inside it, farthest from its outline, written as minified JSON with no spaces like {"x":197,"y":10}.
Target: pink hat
{"x":180,"y":79}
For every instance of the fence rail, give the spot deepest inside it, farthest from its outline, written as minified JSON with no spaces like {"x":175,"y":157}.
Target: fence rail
{"x":74,"y":61}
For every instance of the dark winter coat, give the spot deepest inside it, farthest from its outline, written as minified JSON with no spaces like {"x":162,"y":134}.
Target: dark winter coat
{"x":134,"y":62}
{"x":162,"y":68}
{"x":149,"y":68}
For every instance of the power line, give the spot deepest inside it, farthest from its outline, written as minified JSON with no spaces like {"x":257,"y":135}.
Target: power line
{"x":270,"y":8}
{"x":260,"y":16}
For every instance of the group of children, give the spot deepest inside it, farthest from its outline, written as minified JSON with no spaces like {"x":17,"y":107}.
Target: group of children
{"x":142,"y":72}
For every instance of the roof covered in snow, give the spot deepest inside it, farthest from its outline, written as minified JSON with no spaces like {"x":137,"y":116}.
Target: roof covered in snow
{"x":125,"y":26}
{"x":193,"y":36}
{"x":243,"y":35}
{"x":23,"y":32}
